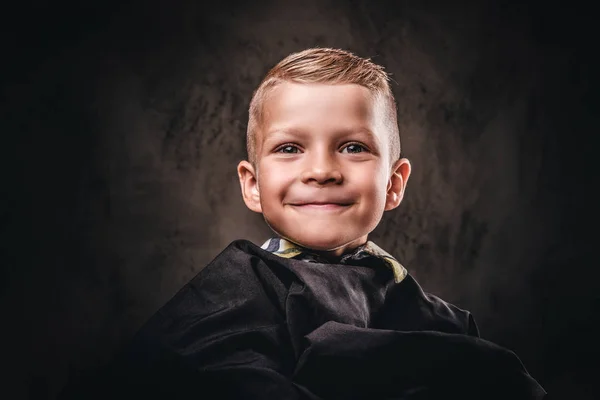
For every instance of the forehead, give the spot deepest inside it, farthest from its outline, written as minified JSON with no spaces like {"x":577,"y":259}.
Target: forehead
{"x":295,"y":103}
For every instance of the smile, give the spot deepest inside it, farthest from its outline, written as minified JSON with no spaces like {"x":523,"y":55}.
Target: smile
{"x":321,"y":206}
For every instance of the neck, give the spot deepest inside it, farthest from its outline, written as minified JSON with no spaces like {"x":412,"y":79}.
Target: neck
{"x":336,"y":254}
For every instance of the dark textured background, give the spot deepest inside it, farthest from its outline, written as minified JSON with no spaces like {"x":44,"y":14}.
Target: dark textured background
{"x":122,"y":125}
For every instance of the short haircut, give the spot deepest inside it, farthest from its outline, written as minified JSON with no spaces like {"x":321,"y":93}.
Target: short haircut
{"x":327,"y":66}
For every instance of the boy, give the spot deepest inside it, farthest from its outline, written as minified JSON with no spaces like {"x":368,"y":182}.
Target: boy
{"x":319,"y":311}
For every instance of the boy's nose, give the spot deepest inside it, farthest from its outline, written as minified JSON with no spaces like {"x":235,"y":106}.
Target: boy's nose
{"x":322,"y":170}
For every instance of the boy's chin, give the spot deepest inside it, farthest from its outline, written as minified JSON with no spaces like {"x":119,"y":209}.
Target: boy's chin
{"x":314,"y":238}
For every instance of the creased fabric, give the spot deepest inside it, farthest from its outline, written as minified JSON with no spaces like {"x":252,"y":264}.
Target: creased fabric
{"x":254,"y":325}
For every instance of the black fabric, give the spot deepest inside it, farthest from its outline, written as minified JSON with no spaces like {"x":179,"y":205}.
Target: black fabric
{"x":253,"y":325}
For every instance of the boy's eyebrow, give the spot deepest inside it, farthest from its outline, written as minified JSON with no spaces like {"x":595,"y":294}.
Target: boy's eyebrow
{"x":285,"y":132}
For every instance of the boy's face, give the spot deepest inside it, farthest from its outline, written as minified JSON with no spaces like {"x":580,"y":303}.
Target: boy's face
{"x":323,"y":176}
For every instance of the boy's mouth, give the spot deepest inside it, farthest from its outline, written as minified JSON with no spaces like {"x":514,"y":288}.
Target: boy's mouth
{"x":319,"y":205}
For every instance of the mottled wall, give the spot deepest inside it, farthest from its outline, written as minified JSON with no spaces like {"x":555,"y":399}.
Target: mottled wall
{"x":122,"y":127}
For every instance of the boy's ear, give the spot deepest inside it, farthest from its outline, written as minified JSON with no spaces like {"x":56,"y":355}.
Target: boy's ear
{"x":249,"y":186}
{"x":397,"y":183}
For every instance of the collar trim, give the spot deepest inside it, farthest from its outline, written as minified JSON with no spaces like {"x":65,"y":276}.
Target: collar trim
{"x":286,"y":249}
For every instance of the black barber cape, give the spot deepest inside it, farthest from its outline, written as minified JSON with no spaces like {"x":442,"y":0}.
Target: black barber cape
{"x":253,"y":325}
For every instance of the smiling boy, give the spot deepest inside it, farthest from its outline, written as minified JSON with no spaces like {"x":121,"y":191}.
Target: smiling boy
{"x":325,"y":162}
{"x":319,"y":311}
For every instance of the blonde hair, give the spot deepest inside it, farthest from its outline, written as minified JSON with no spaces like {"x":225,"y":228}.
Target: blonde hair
{"x":329,"y":66}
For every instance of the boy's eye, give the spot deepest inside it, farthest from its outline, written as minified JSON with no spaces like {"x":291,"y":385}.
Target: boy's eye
{"x":353,"y":148}
{"x":288,"y":149}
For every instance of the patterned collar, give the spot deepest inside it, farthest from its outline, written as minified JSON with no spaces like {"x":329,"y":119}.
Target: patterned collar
{"x":286,"y":249}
